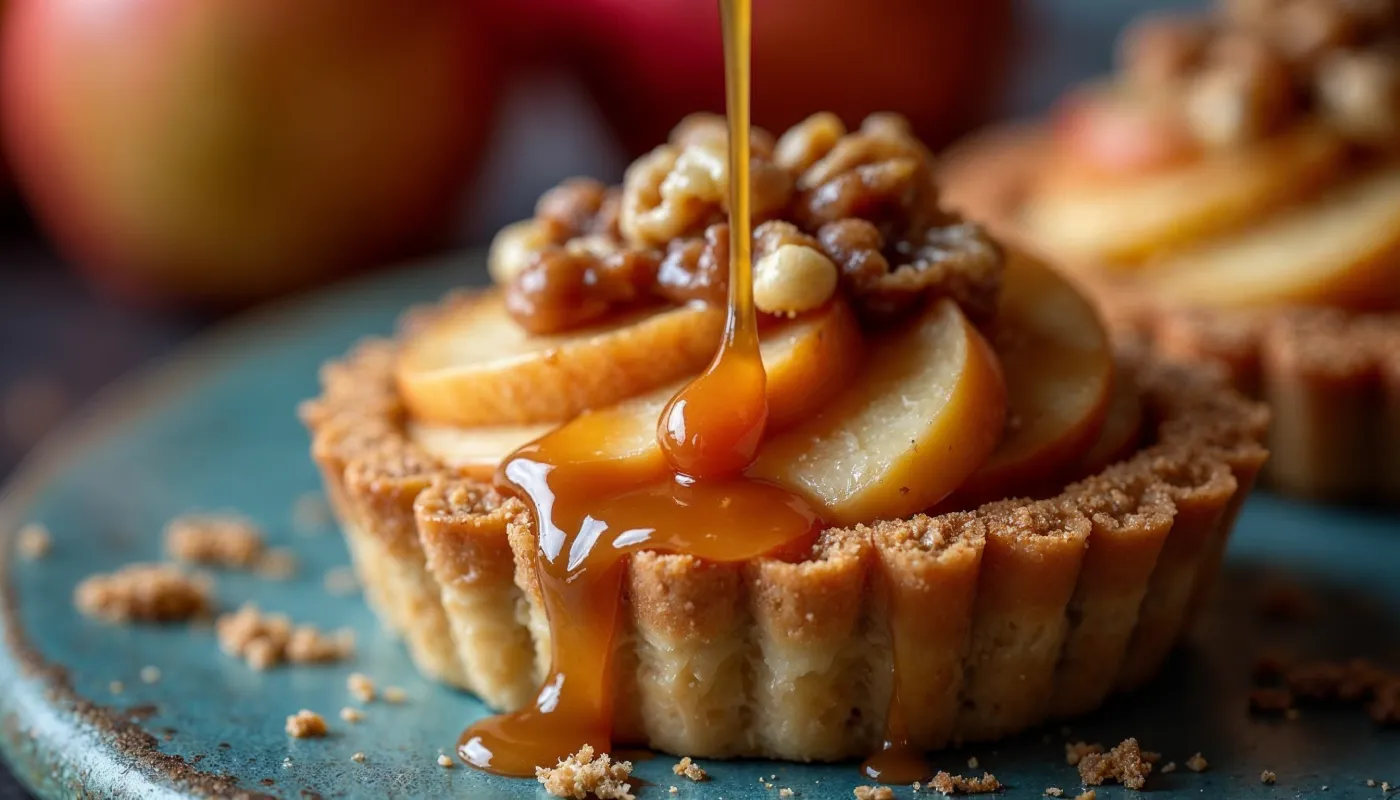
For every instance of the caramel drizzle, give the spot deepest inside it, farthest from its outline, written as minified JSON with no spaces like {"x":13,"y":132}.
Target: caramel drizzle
{"x":590,"y":513}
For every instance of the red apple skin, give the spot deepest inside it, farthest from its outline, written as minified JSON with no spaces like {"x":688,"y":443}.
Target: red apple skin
{"x":220,"y":151}
{"x":939,"y":62}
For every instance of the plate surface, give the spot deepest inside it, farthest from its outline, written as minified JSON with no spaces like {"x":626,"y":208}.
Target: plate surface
{"x":215,"y":428}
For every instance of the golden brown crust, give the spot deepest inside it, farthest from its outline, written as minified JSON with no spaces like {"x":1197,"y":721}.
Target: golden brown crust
{"x":998,"y":618}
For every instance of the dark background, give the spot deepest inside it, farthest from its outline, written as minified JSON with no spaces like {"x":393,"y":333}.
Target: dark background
{"x":61,"y":341}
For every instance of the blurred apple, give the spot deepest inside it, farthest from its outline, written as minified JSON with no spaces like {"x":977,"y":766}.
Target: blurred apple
{"x":939,"y":62}
{"x":218,"y":151}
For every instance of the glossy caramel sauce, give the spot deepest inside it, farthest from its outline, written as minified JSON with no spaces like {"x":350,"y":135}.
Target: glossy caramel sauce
{"x":591,"y":511}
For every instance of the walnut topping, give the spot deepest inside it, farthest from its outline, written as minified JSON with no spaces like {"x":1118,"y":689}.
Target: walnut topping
{"x":306,"y":725}
{"x":266,"y":640}
{"x":1243,"y":92}
{"x":583,"y":774}
{"x":790,"y":274}
{"x":219,"y":540}
{"x":1360,"y":93}
{"x":144,"y":593}
{"x":1123,"y":763}
{"x":567,"y":287}
{"x":1075,"y":752}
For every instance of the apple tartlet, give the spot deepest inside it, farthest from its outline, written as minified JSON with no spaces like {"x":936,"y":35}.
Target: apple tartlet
{"x":1016,"y":520}
{"x":1232,"y":194}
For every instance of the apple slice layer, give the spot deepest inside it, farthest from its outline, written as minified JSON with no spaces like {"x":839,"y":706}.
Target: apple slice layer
{"x":921,"y":417}
{"x":476,"y":366}
{"x":1058,"y":364}
{"x":808,"y":360}
{"x":1341,"y":250}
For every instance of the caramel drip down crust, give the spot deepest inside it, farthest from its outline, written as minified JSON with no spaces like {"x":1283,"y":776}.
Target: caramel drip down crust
{"x":1022,"y":610}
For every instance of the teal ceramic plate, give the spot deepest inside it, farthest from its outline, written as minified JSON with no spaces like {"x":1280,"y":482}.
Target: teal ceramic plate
{"x":215,"y":428}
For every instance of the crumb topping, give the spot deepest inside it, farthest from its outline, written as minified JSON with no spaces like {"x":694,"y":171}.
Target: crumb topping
{"x":306,"y":725}
{"x":873,"y":793}
{"x":361,"y":687}
{"x":689,"y":769}
{"x":585,"y":773}
{"x":1087,"y":795}
{"x":1054,"y":791}
{"x":1268,"y":777}
{"x":266,"y":640}
{"x":34,"y":542}
{"x":144,"y":593}
{"x":1123,"y":764}
{"x":1197,"y":763}
{"x":215,"y":540}
{"x":950,"y":784}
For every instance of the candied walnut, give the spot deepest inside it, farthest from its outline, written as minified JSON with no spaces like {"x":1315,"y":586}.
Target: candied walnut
{"x":583,"y":774}
{"x":672,"y":193}
{"x":221,"y":540}
{"x":807,"y":142}
{"x":881,"y":174}
{"x":1360,"y":93}
{"x":696,"y":268}
{"x":1245,"y":91}
{"x":712,"y":130}
{"x":571,"y":286}
{"x":790,"y":274}
{"x":144,"y":593}
{"x":957,"y":261}
{"x":581,"y":207}
{"x":1123,"y":763}
{"x":1160,"y":51}
{"x":517,"y":245}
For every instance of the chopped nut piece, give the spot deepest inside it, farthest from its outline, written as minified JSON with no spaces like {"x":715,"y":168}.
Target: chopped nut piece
{"x":360,"y":686}
{"x":150,"y":674}
{"x":306,"y":724}
{"x":217,"y":540}
{"x":793,"y":279}
{"x":144,"y":593}
{"x":1268,"y":777}
{"x":584,"y":773}
{"x":1075,"y":752}
{"x":873,"y":793}
{"x":351,"y":715}
{"x":1197,"y":763}
{"x":948,"y":784}
{"x":266,"y":640}
{"x":393,"y":694}
{"x":445,"y":761}
{"x":34,"y":542}
{"x":1123,"y":763}
{"x":689,"y":769}
{"x":358,"y":758}
{"x":807,"y":142}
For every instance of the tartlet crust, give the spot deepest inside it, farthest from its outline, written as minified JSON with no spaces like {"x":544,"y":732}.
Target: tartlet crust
{"x":999,"y":618}
{"x":1331,"y":377}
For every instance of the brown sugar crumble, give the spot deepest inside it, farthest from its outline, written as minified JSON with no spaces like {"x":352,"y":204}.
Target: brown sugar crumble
{"x":585,"y":773}
{"x":950,"y":784}
{"x":1075,"y":751}
{"x":352,"y":715}
{"x":34,"y":542}
{"x":144,"y":593}
{"x":1197,"y":763}
{"x":689,"y":769}
{"x":306,"y":725}
{"x":361,"y":687}
{"x":215,"y":540}
{"x":873,"y":793}
{"x":266,"y":640}
{"x":1123,"y":764}
{"x":1268,"y":777}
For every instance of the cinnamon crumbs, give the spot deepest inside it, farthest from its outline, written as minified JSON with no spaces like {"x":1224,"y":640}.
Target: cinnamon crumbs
{"x":1123,"y":764}
{"x":950,"y":784}
{"x":144,"y":593}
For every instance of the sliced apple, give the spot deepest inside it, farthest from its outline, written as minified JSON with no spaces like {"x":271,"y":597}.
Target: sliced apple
{"x":927,"y":410}
{"x":1076,"y":214}
{"x":1111,"y":129}
{"x":1341,"y":250}
{"x":476,"y":366}
{"x":1122,"y":428}
{"x":1058,"y":364}
{"x":808,"y":360}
